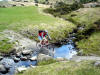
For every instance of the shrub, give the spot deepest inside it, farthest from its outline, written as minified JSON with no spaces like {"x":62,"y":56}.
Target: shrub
{"x":61,"y":8}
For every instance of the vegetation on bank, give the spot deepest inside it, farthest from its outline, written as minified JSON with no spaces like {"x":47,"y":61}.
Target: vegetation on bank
{"x":88,"y":19}
{"x":65,"y":68}
{"x":46,"y":62}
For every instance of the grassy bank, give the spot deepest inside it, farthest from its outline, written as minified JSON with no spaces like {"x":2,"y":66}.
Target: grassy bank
{"x":65,"y":68}
{"x":30,"y":19}
{"x":90,"y":33}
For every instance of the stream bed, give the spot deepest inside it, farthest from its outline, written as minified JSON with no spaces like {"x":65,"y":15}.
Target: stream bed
{"x":64,"y":51}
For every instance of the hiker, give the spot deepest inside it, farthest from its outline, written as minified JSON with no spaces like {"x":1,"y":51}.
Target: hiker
{"x":43,"y":36}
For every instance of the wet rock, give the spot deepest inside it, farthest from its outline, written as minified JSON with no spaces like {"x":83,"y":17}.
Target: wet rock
{"x":33,"y":58}
{"x":3,"y":69}
{"x":21,"y":69}
{"x":18,"y":54}
{"x":97,"y":64}
{"x":26,"y":52}
{"x":16,"y":59}
{"x":1,"y":58}
{"x":42,"y":57}
{"x":44,"y":51}
{"x":23,"y":58}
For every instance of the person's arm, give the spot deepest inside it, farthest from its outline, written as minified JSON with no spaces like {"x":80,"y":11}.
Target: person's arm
{"x":48,"y":36}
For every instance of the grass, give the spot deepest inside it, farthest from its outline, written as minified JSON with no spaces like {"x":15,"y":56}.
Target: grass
{"x":65,"y":68}
{"x":30,"y":18}
{"x":46,"y":62}
{"x":90,"y":45}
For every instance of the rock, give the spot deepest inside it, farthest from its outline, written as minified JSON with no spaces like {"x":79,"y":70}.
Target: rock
{"x":21,"y":69}
{"x":23,"y":58}
{"x":18,"y":55}
{"x":97,"y":64}
{"x":44,"y":51}
{"x":1,"y":58}
{"x":3,"y":69}
{"x":60,"y":59}
{"x":32,"y":66}
{"x":33,"y":58}
{"x":42,"y":57}
{"x":26,"y":52}
{"x":16,"y":59}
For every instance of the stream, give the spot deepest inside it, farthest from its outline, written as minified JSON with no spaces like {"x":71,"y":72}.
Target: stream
{"x":65,"y":51}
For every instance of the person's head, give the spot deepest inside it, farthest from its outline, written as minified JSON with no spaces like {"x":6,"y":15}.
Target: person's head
{"x":46,"y":31}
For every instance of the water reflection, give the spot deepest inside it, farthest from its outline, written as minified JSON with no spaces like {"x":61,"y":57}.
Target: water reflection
{"x":65,"y":51}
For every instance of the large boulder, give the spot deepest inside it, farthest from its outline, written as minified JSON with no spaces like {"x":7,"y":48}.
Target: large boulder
{"x":44,"y":51}
{"x":42,"y":57}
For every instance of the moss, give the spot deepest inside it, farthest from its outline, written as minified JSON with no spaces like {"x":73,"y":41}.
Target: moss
{"x":5,"y":45}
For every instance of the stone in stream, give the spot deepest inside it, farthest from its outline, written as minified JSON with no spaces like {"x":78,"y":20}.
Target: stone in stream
{"x":16,"y":59}
{"x":33,"y":58}
{"x":42,"y":57}
{"x":27,"y":52}
{"x":18,"y":54}
{"x":23,"y":58}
